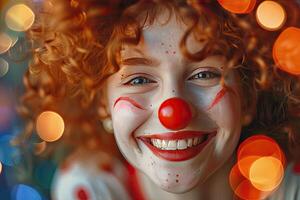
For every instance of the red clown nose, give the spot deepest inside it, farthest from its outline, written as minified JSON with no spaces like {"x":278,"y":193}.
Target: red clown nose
{"x":174,"y":113}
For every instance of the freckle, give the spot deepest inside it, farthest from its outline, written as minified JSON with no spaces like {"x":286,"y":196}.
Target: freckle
{"x":174,"y":52}
{"x":177,"y":180}
{"x":167,"y":180}
{"x":151,"y":105}
{"x":173,"y":91}
{"x":167,"y":52}
{"x":170,"y":45}
{"x":162,"y":44}
{"x":169,"y":174}
{"x":177,"y":175}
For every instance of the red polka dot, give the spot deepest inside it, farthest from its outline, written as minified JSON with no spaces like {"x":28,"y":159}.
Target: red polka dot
{"x":82,"y":194}
{"x":296,"y":168}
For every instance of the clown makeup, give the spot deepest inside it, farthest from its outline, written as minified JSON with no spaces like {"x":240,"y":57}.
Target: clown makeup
{"x":154,"y":71}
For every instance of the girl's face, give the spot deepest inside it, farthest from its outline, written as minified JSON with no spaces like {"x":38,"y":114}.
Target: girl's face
{"x":154,"y":71}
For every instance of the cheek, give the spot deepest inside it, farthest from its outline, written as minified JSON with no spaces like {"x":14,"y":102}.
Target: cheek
{"x":202,"y":98}
{"x":226,"y":108}
{"x":227,"y":112}
{"x":126,"y":118}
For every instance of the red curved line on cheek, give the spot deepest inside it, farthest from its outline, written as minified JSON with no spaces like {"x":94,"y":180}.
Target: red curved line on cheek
{"x":221,"y":94}
{"x":133,"y":102}
{"x":218,"y":97}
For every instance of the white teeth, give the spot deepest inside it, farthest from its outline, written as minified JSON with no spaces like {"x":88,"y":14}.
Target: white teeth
{"x":158,"y":142}
{"x":176,"y":144}
{"x":164,"y":144}
{"x":181,"y":144}
{"x":154,"y":142}
{"x":190,"y":142}
{"x":172,"y":145}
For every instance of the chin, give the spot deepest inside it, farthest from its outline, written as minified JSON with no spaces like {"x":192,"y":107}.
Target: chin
{"x":180,"y":189}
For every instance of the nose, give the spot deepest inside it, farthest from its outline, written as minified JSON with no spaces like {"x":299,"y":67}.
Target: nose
{"x":174,"y":113}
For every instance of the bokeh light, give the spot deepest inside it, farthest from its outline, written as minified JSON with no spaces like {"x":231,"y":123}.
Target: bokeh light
{"x":286,"y":51}
{"x":50,"y":126}
{"x":259,"y":168}
{"x":242,"y":187}
{"x":19,"y":17}
{"x":5,"y":43}
{"x":245,"y":163}
{"x":21,"y":192}
{"x":270,"y":15}
{"x":0,"y":168}
{"x":238,"y":7}
{"x":266,"y":173}
{"x":260,"y":146}
{"x":4,"y":66}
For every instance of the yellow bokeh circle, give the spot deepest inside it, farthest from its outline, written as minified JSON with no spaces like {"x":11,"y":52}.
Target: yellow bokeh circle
{"x":19,"y":17}
{"x":266,"y":173}
{"x":270,"y":15}
{"x":50,"y":126}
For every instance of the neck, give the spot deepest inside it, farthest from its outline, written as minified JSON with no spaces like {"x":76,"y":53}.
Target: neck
{"x":215,"y":186}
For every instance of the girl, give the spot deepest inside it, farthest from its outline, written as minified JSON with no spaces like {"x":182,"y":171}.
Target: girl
{"x":179,"y":83}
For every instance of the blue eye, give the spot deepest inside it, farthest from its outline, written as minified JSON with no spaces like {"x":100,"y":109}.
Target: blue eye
{"x":205,"y":75}
{"x":139,"y":81}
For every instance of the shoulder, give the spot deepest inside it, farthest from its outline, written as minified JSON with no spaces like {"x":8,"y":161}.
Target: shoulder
{"x":88,"y":179}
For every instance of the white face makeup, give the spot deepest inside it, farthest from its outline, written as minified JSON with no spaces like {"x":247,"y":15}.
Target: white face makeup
{"x":154,"y":71}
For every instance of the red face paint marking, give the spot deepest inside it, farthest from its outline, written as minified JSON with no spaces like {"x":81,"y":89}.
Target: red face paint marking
{"x":220,"y":95}
{"x":133,"y":102}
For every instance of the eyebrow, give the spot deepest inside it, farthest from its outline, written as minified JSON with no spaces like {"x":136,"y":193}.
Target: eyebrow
{"x":139,"y":61}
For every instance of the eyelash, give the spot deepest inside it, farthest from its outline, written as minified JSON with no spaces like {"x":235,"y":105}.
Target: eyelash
{"x":146,"y":81}
{"x":211,"y":75}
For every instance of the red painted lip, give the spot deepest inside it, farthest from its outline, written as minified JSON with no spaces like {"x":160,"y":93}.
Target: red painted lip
{"x":178,"y":155}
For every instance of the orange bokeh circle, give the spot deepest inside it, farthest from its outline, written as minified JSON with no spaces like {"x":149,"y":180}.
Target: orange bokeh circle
{"x":238,"y":7}
{"x":286,"y":51}
{"x":243,"y":188}
{"x":260,"y":145}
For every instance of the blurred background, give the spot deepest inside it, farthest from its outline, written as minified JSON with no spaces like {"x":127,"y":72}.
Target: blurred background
{"x":22,"y":175}
{"x":17,"y":16}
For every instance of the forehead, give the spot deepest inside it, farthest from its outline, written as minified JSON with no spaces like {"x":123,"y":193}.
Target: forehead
{"x":163,"y":36}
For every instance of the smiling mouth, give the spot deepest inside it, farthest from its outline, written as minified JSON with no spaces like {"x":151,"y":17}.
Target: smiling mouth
{"x":177,"y":146}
